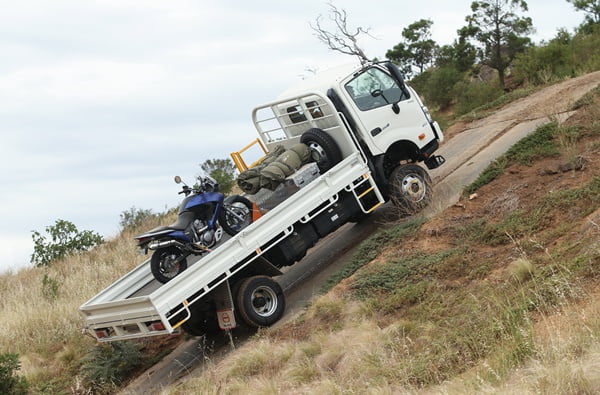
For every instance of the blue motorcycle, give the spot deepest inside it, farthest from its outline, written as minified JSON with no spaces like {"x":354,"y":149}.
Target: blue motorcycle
{"x":203,"y":215}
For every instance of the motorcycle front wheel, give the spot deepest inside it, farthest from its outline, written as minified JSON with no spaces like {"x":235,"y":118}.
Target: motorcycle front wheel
{"x":235,"y":215}
{"x":166,"y":263}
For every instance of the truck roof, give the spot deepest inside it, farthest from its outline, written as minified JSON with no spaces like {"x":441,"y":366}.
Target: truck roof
{"x":322,"y":81}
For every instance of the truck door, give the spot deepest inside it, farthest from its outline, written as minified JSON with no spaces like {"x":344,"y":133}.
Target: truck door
{"x":386,"y":112}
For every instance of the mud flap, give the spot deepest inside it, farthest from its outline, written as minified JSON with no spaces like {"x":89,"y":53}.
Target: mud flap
{"x":224,"y":306}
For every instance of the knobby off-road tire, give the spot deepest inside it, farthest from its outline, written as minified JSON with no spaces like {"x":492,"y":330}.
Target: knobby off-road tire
{"x":410,"y":189}
{"x":260,"y":301}
{"x":323,"y":148}
{"x":235,"y":215}
{"x":163,"y":264}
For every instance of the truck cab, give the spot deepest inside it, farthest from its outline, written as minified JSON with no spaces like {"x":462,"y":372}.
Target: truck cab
{"x":389,"y":124}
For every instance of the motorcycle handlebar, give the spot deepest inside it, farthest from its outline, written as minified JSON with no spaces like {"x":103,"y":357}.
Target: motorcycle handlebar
{"x":185,"y":190}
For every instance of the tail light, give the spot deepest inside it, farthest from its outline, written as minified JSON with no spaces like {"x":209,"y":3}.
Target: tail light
{"x":102,"y":333}
{"x":157,"y":326}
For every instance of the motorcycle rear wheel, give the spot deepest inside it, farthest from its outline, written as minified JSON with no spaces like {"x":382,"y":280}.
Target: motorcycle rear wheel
{"x":166,"y":263}
{"x":235,"y":215}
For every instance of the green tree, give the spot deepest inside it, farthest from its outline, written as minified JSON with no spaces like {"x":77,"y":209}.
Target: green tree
{"x":502,"y":34}
{"x":10,"y":382}
{"x":591,"y":9}
{"x":222,"y":170}
{"x":417,"y":50}
{"x":400,"y":55}
{"x":64,"y":240}
{"x":461,"y":54}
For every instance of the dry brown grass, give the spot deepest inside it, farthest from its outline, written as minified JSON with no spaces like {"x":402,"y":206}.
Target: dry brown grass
{"x":40,"y":306}
{"x":362,"y":357}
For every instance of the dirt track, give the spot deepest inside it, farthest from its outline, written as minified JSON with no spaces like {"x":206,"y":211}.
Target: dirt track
{"x":468,"y":151}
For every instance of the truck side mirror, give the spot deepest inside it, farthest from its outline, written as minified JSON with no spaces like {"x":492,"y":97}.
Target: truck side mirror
{"x":397,"y":74}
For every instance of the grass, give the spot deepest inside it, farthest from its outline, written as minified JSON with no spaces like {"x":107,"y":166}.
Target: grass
{"x":41,"y":306}
{"x":586,"y":100}
{"x":487,"y":109}
{"x":539,"y":144}
{"x":370,"y":248}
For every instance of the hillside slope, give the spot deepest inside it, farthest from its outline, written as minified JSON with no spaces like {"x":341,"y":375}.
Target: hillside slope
{"x":490,"y":294}
{"x":496,"y":294}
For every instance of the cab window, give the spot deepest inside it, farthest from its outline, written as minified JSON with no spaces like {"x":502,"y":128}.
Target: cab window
{"x":374,"y":88}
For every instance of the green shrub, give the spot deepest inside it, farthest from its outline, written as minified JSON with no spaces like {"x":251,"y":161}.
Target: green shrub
{"x":134,"y":217}
{"x":439,"y":89}
{"x":10,"y":382}
{"x":65,"y":240}
{"x":49,"y":287}
{"x":541,"y":65}
{"x":585,"y":49}
{"x":472,"y":95}
{"x":108,"y":364}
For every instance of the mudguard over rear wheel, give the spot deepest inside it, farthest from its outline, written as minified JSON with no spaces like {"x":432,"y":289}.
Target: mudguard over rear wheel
{"x":260,"y":301}
{"x":166,"y":263}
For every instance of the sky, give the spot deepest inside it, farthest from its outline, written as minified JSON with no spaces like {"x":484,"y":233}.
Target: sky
{"x":102,"y":102}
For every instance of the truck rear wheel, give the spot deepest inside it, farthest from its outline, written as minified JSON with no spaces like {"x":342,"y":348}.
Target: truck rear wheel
{"x":260,"y":301}
{"x":323,"y":148}
{"x":410,"y":188}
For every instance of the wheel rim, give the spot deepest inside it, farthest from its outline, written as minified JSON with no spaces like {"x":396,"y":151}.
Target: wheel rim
{"x":264,"y":301}
{"x":238,"y":216}
{"x":317,"y":153}
{"x":169,"y":266}
{"x":414,"y":187}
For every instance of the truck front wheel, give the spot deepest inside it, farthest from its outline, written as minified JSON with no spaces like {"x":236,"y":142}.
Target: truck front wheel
{"x":410,"y":188}
{"x":260,"y":301}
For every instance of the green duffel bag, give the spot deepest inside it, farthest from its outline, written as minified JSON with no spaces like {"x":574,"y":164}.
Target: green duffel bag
{"x":273,"y":170}
{"x":249,"y":181}
{"x":303,"y":153}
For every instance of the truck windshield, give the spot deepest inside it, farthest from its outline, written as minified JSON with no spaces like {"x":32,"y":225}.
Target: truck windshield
{"x":374,"y":88}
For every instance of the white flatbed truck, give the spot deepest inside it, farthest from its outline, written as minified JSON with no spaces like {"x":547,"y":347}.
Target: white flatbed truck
{"x":367,"y":131}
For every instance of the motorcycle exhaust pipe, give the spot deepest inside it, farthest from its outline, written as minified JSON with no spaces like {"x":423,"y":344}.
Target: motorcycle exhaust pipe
{"x":163,"y":244}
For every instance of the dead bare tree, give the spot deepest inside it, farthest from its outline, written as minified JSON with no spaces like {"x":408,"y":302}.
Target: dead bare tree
{"x":342,"y":39}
